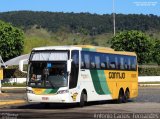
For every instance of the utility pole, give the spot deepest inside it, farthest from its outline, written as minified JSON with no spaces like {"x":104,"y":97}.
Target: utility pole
{"x":114,"y":22}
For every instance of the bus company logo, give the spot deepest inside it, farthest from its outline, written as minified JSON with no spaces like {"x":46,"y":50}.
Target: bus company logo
{"x":74,"y":96}
{"x":116,"y":75}
{"x":84,"y":76}
{"x":133,"y":75}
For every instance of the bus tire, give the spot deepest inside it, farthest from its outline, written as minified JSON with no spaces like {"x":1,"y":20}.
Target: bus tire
{"x":126,"y":96}
{"x":121,"y":97}
{"x":83,"y":99}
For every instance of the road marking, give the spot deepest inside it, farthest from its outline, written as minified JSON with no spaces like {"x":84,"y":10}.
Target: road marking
{"x":11,"y":102}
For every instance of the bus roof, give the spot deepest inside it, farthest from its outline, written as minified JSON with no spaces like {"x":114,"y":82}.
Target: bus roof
{"x":85,"y":48}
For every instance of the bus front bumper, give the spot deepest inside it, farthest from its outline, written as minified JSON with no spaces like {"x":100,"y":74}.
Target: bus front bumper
{"x":54,"y":98}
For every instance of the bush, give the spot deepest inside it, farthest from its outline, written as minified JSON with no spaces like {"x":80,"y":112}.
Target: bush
{"x":134,"y":41}
{"x":14,"y":84}
{"x":11,"y":41}
{"x":149,"y":71}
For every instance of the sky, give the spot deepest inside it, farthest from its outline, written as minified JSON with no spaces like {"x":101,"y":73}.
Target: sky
{"x":90,"y":6}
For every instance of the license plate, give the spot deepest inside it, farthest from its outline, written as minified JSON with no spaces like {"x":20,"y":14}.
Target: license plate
{"x":45,"y":98}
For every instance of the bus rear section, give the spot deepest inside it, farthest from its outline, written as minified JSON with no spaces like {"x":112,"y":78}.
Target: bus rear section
{"x":109,"y":75}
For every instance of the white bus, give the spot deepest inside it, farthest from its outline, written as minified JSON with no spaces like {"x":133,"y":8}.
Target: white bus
{"x":78,"y":74}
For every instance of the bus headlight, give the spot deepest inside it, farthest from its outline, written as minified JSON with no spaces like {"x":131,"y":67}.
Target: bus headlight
{"x":30,"y":91}
{"x":62,"y":91}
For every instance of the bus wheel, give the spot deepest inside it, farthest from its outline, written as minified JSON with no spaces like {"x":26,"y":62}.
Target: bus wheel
{"x":83,"y":99}
{"x":126,"y":96}
{"x":121,"y":97}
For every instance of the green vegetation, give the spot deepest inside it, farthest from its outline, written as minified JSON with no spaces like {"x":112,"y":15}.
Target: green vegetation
{"x":156,"y":54}
{"x":13,"y":84}
{"x":11,"y":41}
{"x":40,"y":37}
{"x":86,"y":23}
{"x":134,"y":41}
{"x":149,"y":71}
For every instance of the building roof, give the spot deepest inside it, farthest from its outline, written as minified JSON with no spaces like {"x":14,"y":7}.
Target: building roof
{"x":15,"y":61}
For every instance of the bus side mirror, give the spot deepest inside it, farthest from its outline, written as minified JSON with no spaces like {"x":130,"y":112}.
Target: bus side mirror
{"x":69,"y":62}
{"x":21,"y":64}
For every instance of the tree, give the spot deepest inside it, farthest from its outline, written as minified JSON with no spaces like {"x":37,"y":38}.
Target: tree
{"x":156,"y":54}
{"x":134,"y":41}
{"x":11,"y":41}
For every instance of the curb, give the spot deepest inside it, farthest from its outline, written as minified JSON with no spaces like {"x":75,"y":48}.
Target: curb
{"x":11,"y":102}
{"x":149,"y":84}
{"x":4,"y":94}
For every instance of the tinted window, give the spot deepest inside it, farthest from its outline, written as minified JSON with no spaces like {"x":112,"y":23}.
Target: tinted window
{"x":94,"y":60}
{"x":103,"y":61}
{"x":133,"y":63}
{"x":112,"y":63}
{"x":107,"y":61}
{"x":97,"y":61}
{"x":74,"y":69}
{"x":121,"y":62}
{"x":87,"y":60}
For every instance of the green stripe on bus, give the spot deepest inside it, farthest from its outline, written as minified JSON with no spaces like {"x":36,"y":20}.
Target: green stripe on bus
{"x":88,"y":49}
{"x":49,"y":91}
{"x":96,"y":82}
{"x":99,"y":82}
{"x":104,"y":85}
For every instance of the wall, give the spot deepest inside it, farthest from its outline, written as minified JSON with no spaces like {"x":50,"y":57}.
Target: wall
{"x":12,"y":80}
{"x":149,"y":79}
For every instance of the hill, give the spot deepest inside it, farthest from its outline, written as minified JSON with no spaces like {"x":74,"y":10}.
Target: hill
{"x":85,"y":23}
{"x":50,"y":28}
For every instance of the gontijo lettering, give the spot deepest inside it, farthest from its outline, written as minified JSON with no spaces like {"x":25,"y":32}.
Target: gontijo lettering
{"x":116,"y":75}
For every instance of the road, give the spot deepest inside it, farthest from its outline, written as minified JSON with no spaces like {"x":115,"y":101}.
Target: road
{"x":147,"y":104}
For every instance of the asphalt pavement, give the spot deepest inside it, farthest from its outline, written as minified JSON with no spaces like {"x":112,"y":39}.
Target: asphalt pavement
{"x":146,"y":105}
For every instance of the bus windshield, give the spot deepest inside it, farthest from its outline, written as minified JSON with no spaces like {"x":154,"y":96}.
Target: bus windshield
{"x":43,"y":74}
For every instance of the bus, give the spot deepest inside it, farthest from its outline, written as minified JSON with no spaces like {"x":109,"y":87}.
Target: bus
{"x":80,"y":74}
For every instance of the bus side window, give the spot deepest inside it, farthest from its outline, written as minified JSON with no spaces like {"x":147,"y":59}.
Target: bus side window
{"x":116,"y":62}
{"x":107,"y":61}
{"x":82,"y":60}
{"x":103,"y":61}
{"x":82,"y":65}
{"x":112,"y":64}
{"x":87,"y":60}
{"x":133,"y":63}
{"x":74,"y":69}
{"x":92,"y":60}
{"x":121,"y":62}
{"x":125,"y":63}
{"x":129,"y":63}
{"x":97,"y":61}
